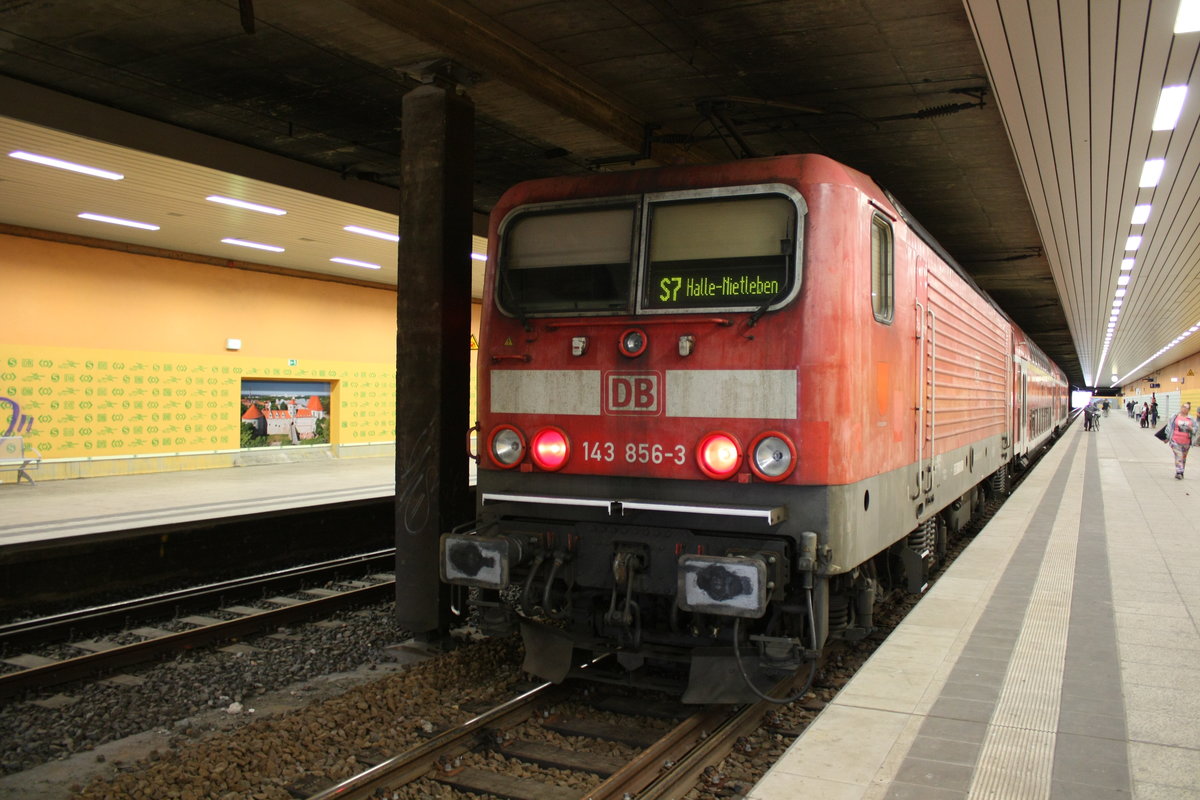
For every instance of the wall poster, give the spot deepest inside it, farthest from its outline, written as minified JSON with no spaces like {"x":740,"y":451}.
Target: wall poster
{"x":278,"y":413}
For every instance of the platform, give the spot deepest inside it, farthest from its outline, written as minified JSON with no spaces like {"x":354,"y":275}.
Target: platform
{"x":1058,"y":657}
{"x":69,"y":508}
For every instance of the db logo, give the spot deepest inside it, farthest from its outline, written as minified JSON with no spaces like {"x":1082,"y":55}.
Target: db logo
{"x":631,"y":393}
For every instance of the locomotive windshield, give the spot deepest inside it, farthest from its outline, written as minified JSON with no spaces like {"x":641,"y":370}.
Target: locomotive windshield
{"x":736,"y":251}
{"x":576,"y":260}
{"x":725,"y":253}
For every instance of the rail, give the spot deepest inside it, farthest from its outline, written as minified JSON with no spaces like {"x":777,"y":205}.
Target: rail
{"x":100,"y":655}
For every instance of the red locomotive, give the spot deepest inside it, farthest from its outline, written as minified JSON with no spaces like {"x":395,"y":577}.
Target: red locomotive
{"x":720,"y":408}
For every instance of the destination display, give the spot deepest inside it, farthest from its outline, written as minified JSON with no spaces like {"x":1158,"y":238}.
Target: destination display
{"x":713,"y":287}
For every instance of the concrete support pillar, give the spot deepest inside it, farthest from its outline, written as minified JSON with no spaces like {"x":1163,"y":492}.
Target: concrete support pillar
{"x":433,"y":328}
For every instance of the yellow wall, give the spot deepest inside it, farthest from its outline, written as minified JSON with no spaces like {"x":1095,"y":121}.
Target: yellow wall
{"x":65,"y":295}
{"x":114,"y":354}
{"x":1187,"y":383}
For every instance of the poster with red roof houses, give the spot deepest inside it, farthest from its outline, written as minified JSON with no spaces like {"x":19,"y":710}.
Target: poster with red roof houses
{"x":285,"y":413}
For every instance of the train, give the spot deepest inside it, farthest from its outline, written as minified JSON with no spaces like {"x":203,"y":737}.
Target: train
{"x":722,"y":411}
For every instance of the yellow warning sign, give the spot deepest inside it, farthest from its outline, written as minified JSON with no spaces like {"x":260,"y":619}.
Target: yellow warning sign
{"x":474,"y":342}
{"x":508,"y":342}
{"x":1191,"y":373}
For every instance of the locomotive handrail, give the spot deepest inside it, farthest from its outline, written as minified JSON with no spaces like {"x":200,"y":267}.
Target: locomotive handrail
{"x":772,"y":515}
{"x":919,"y":432}
{"x":932,"y":391}
{"x":500,"y":497}
{"x":472,"y":430}
{"x":624,"y":323}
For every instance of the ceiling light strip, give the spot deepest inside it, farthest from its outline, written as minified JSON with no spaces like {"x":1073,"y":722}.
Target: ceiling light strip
{"x":255,"y":245}
{"x":390,"y":237}
{"x":233,"y":201}
{"x":67,"y":165}
{"x":128,"y":223}
{"x":352,"y":262}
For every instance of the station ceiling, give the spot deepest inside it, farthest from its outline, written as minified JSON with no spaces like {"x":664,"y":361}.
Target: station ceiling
{"x":1015,"y":132}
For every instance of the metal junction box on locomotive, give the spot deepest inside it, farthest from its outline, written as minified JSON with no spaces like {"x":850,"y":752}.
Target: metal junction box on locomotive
{"x":721,"y":409}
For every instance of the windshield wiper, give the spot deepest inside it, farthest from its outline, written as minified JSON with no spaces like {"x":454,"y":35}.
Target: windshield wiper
{"x":506,"y":288}
{"x":757,"y":315}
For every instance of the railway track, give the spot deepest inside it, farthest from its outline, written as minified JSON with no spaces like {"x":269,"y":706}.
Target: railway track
{"x":521,"y":749}
{"x":96,"y":640}
{"x":668,"y":764}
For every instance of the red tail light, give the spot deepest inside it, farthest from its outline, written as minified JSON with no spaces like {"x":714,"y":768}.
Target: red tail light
{"x":550,"y":449}
{"x":719,"y":455}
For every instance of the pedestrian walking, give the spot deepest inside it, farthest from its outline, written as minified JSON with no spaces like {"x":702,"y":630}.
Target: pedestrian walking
{"x":1181,"y":435}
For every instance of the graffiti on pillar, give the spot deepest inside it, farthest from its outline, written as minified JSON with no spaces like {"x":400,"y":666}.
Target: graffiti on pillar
{"x":21,"y":424}
{"x":417,"y":487}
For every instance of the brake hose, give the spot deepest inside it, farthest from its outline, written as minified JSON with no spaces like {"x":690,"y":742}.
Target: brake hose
{"x":737,"y":655}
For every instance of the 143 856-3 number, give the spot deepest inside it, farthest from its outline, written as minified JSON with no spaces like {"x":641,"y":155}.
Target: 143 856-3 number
{"x":635,"y":452}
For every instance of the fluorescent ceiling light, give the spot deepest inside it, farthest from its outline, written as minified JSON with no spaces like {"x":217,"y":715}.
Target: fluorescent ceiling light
{"x":391,"y":237}
{"x":1119,"y":293}
{"x":1123,"y":280}
{"x":1152,"y":172}
{"x":1141,"y":213}
{"x":118,"y":221}
{"x":56,"y":162}
{"x":1188,"y":18}
{"x":354,"y":263}
{"x":1117,"y":303}
{"x":255,"y":245}
{"x":1126,"y":264}
{"x":478,"y":257}
{"x":230,"y":201}
{"x":1133,"y":243}
{"x":1170,"y":103}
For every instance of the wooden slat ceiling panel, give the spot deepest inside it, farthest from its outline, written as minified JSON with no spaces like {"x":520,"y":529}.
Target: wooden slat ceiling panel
{"x":1078,"y":84}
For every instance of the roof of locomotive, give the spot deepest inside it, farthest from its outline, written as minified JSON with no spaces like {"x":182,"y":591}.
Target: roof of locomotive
{"x":790,"y":169}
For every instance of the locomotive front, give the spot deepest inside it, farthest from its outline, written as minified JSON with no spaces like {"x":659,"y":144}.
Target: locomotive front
{"x":638,"y":425}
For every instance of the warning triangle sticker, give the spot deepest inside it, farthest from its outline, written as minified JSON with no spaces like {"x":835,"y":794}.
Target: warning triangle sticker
{"x":474,"y":342}
{"x":508,"y":342}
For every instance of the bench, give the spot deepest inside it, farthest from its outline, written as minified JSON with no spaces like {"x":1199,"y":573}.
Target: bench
{"x":13,"y":456}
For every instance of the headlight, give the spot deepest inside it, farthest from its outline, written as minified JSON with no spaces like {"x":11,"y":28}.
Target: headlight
{"x":773,"y":456}
{"x":633,"y":343}
{"x":506,"y":446}
{"x":735,"y":587}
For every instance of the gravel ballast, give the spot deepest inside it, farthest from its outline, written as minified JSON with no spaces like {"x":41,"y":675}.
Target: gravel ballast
{"x":245,"y":720}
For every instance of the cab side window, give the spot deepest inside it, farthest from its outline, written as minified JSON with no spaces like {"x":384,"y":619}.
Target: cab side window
{"x":882,"y":297}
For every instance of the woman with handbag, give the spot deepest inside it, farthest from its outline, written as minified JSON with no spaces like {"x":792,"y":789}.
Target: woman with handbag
{"x":1181,"y":435}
